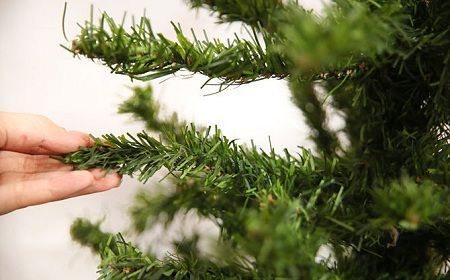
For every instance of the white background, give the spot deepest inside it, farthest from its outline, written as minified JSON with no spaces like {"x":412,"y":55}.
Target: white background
{"x":38,"y":76}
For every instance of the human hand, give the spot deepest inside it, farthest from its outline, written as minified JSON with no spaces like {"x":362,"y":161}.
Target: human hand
{"x":29,"y":176}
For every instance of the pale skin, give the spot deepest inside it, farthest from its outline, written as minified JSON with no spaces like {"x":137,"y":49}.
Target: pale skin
{"x":29,"y":176}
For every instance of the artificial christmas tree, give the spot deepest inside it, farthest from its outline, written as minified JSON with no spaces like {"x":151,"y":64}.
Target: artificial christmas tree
{"x":376,"y":193}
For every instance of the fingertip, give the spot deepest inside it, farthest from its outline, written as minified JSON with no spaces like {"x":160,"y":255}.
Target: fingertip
{"x":110,"y":180}
{"x":115,"y":179}
{"x":106,"y":179}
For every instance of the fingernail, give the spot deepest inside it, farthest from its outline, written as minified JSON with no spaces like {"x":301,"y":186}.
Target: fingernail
{"x":86,"y":140}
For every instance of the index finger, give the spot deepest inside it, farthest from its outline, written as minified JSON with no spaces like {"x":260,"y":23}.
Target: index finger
{"x":34,"y":134}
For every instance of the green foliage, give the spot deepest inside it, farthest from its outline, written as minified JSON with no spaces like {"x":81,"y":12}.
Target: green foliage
{"x":144,"y":55}
{"x":406,"y":203}
{"x":127,"y":262}
{"x":305,"y":97}
{"x":380,"y":202}
{"x":89,"y":234}
{"x":142,"y":106}
{"x":348,"y":34}
{"x":256,"y":13}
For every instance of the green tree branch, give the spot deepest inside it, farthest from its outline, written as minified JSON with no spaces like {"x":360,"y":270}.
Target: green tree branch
{"x":144,"y":55}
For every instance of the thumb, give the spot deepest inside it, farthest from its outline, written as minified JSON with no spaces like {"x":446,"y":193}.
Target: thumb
{"x":61,"y":185}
